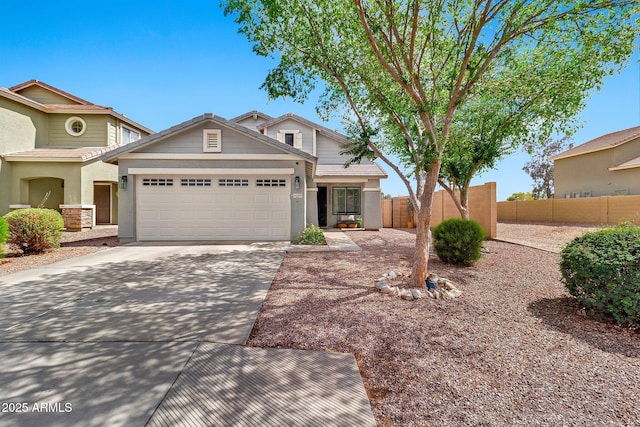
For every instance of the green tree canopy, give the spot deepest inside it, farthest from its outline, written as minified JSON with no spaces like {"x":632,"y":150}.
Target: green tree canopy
{"x":403,"y":70}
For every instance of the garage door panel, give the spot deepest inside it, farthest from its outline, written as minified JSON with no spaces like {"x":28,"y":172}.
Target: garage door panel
{"x":246,"y":212}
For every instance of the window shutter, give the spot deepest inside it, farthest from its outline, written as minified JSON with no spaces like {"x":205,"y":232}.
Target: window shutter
{"x":298,"y":141}
{"x":212,"y":140}
{"x":280,"y":136}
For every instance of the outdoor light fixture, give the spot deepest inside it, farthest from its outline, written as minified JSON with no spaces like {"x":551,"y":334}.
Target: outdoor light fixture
{"x":123,"y":182}
{"x":296,"y":182}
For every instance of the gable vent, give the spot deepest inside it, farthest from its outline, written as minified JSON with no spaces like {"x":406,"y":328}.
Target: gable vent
{"x":212,"y":141}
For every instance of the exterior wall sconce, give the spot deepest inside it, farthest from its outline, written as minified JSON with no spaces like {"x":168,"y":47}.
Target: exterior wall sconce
{"x":123,"y":182}
{"x":296,"y":182}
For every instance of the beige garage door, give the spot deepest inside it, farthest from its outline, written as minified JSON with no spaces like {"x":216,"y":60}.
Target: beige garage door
{"x":232,"y":207}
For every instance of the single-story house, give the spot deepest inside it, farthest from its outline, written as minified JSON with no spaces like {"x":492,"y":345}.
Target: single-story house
{"x":50,"y":147}
{"x":250,"y":178}
{"x":606,"y":166}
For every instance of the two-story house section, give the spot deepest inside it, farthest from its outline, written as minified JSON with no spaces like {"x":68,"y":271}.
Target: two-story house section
{"x":605,"y":166}
{"x":250,"y":178}
{"x":333,"y":191}
{"x":50,"y":144}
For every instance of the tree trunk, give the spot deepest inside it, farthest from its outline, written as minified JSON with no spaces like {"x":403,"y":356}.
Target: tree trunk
{"x":460,"y":199}
{"x":464,"y":204}
{"x":423,"y":232}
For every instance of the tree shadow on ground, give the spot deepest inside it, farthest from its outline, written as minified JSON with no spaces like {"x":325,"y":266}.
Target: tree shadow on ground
{"x":562,"y":314}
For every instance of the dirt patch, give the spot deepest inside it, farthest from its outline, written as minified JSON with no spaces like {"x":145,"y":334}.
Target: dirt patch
{"x":549,"y":237}
{"x":72,"y":244}
{"x":513,"y":350}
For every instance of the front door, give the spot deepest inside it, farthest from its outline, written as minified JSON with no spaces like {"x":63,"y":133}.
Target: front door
{"x":322,"y":206}
{"x":102,"y":200}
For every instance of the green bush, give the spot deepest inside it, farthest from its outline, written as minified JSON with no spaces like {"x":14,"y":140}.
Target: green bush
{"x":35,"y":230}
{"x":311,"y":235}
{"x":458,"y":241}
{"x":602,"y":270}
{"x":4,"y":234}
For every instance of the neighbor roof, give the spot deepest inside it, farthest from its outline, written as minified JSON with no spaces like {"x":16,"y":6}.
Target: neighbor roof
{"x":33,"y":82}
{"x":605,"y":142}
{"x":112,"y":157}
{"x":58,"y":154}
{"x":82,"y":106}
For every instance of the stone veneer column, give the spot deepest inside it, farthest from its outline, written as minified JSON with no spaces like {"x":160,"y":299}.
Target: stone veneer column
{"x":77,"y":217}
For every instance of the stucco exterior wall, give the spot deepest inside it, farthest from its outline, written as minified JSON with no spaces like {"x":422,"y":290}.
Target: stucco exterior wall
{"x":38,"y":189}
{"x":328,"y":150}
{"x":96,"y":134}
{"x":589,"y":173}
{"x":22,"y":172}
{"x":96,"y":171}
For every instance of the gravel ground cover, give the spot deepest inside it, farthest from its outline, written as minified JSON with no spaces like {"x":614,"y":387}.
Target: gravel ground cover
{"x":513,"y":350}
{"x":72,"y":244}
{"x":550,"y":237}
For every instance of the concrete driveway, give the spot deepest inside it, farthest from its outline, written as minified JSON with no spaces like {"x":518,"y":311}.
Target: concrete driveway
{"x":152,"y":334}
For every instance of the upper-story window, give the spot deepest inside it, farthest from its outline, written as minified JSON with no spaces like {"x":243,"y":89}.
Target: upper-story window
{"x":290,"y":137}
{"x":129,"y":135}
{"x":75,"y":126}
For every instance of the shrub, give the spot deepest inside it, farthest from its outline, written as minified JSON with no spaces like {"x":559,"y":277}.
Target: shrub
{"x":602,"y":270}
{"x":458,"y":241}
{"x":35,"y":230}
{"x":4,"y":234}
{"x":311,"y":235}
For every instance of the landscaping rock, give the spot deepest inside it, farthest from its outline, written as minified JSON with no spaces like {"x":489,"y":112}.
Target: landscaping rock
{"x":406,"y":294}
{"x":381,"y":284}
{"x":437,"y":287}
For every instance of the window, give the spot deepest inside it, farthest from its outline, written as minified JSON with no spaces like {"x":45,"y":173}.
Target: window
{"x":288,"y":139}
{"x":346,"y":201}
{"x":233,"y":182}
{"x":75,"y":126}
{"x":157,"y":182}
{"x":271,"y":183}
{"x":195,"y":182}
{"x":212,"y":140}
{"x":129,"y":135}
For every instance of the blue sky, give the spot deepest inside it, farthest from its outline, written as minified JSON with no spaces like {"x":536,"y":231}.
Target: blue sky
{"x":164,"y":62}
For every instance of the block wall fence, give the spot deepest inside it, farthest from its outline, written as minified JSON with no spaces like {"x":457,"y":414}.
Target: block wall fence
{"x":609,"y":210}
{"x":482,"y":208}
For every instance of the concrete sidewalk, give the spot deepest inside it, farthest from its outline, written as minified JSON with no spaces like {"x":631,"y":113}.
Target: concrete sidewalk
{"x":152,"y":334}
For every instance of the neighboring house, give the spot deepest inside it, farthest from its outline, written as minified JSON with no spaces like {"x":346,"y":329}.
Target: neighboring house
{"x":50,"y":144}
{"x":251,"y":178}
{"x":606,"y":166}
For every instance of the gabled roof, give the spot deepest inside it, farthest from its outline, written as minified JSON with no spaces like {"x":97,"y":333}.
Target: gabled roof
{"x":33,"y":82}
{"x":629,"y":164}
{"x":325,"y":130}
{"x":112,"y":157}
{"x":255,"y":114}
{"x":58,"y":154}
{"x":604,"y":142}
{"x":81,"y":107}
